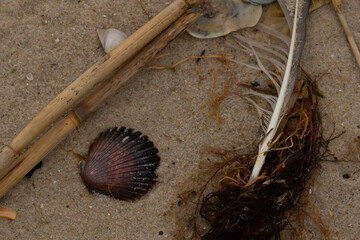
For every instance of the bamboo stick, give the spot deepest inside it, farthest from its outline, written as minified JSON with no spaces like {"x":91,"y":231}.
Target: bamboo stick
{"x":338,"y":9}
{"x":63,"y":127}
{"x":106,"y":65}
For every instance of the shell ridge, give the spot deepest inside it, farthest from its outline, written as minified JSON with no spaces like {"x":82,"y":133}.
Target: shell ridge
{"x":98,"y":144}
{"x":124,"y":158}
{"x":125,"y":151}
{"x":127,"y":146}
{"x":135,"y":154}
{"x":133,"y":170}
{"x":143,"y":162}
{"x":148,"y":151}
{"x":106,"y":142}
{"x":127,"y":172}
{"x":134,"y":175}
{"x":141,"y":146}
{"x":136,"y":165}
{"x":131,"y":137}
{"x":128,"y":141}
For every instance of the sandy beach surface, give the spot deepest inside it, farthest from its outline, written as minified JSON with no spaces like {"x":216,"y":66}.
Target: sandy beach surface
{"x":45,"y":45}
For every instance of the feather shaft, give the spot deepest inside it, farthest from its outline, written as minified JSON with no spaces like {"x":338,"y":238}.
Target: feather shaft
{"x":276,"y":116}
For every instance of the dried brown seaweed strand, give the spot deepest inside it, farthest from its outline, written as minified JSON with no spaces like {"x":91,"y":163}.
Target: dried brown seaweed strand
{"x":262,"y":210}
{"x":214,"y":100}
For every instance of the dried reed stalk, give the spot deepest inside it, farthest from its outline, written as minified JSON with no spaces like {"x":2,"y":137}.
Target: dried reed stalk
{"x":95,"y":74}
{"x":338,"y":9}
{"x":48,"y":141}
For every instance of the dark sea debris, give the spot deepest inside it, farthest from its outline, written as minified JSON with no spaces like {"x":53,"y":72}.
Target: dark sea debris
{"x":120,"y":163}
{"x":260,"y":208}
{"x":202,"y":54}
{"x":31,"y":172}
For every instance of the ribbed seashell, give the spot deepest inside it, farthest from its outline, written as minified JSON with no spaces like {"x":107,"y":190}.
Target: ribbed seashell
{"x":120,"y":163}
{"x":221,"y":17}
{"x":110,"y":38}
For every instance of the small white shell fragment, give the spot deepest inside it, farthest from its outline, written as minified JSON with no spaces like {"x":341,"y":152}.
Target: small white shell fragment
{"x":110,"y":38}
{"x":222,"y":17}
{"x":29,"y":77}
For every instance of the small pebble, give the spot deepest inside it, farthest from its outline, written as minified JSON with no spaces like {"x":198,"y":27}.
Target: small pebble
{"x":29,"y":77}
{"x":57,"y":40}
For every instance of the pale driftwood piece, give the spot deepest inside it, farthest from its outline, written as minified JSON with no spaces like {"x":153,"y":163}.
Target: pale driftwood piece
{"x":95,"y":74}
{"x":350,"y":37}
{"x":58,"y":132}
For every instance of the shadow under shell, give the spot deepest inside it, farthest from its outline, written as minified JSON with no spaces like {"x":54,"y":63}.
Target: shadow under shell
{"x":120,"y":163}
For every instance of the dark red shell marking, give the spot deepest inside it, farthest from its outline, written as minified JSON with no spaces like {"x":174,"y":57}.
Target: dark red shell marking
{"x":121,"y":163}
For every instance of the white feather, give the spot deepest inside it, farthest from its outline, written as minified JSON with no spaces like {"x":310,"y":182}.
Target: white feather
{"x":278,"y":111}
{"x":285,"y":59}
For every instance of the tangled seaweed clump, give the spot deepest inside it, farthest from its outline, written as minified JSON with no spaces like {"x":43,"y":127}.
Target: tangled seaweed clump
{"x":260,"y":208}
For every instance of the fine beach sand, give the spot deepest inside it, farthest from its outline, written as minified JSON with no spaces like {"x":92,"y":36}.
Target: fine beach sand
{"x":56,"y":41}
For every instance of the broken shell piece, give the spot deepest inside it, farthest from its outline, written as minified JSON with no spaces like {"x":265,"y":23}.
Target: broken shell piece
{"x":7,"y":213}
{"x":110,"y":38}
{"x":222,"y":17}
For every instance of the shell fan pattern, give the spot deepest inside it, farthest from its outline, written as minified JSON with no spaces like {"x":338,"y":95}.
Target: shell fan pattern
{"x":120,"y":163}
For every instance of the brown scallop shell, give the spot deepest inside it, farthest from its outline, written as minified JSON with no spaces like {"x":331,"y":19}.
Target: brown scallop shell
{"x":120,"y":163}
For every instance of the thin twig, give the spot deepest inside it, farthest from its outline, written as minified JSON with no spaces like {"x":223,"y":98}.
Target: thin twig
{"x":337,"y":4}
